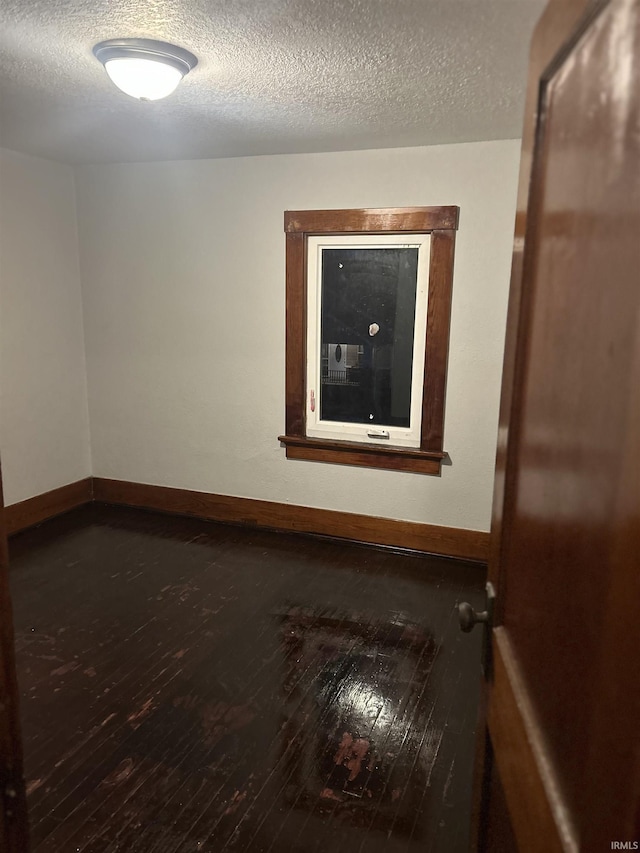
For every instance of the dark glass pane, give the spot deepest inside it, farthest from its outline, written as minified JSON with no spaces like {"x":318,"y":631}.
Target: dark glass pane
{"x":368,"y":309}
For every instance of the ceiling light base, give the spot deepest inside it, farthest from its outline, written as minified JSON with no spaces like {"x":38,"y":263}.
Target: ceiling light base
{"x":140,"y":67}
{"x":160,"y":51}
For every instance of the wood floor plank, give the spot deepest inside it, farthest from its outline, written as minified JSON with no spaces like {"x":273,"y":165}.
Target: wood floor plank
{"x":86,"y":769}
{"x":212,"y":819}
{"x":250,"y":699}
{"x":356,"y":723}
{"x":197,"y":686}
{"x":300,"y":728}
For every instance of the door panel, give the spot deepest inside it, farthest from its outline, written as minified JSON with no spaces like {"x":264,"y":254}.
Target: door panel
{"x":555,"y":28}
{"x":13,"y":809}
{"x":575,"y":384}
{"x":564,"y":701}
{"x":537,"y":810}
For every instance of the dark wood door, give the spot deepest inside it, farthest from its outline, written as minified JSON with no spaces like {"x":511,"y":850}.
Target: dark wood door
{"x":559,"y":753}
{"x":13,"y":809}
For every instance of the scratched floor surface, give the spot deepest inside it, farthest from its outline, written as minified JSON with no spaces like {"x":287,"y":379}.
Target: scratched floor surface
{"x":188,"y":686}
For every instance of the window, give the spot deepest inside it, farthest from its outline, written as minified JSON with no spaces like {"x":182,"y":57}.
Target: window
{"x":366,"y":327}
{"x":368,"y":305}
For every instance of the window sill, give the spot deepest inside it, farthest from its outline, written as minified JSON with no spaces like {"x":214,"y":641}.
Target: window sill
{"x":364,"y":455}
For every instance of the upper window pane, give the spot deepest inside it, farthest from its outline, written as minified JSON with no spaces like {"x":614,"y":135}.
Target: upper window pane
{"x":368,"y":304}
{"x":366,"y":323}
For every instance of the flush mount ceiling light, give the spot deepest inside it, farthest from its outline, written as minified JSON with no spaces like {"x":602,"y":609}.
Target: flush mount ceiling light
{"x":145,"y":69}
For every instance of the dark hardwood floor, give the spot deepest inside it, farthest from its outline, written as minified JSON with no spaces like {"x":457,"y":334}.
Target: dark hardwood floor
{"x":191,"y":686}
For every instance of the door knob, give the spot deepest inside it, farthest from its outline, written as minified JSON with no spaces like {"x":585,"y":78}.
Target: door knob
{"x":469,"y":617}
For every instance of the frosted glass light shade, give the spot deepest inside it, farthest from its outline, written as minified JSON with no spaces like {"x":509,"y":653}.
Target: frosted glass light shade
{"x":143,"y":68}
{"x":145,"y":79}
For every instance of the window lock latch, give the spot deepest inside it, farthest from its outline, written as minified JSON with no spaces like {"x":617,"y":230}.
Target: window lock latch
{"x":377,"y":433}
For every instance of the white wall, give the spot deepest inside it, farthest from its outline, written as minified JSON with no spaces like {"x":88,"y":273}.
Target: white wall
{"x":44,"y":423}
{"x":183,"y":289}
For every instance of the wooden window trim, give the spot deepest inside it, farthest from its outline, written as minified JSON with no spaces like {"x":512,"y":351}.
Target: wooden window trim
{"x":441,"y":223}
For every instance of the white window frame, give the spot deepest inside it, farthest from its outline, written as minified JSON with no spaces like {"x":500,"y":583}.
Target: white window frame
{"x":365,"y":433}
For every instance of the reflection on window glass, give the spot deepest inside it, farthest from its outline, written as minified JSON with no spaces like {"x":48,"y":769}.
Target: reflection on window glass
{"x":368,"y":307}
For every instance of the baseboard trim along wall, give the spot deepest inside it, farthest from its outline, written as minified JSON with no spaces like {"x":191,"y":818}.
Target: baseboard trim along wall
{"x":41,"y":507}
{"x":427,"y":538}
{"x":448,"y":541}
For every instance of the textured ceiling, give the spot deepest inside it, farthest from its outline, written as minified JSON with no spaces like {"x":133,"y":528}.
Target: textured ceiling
{"x":274,"y":76}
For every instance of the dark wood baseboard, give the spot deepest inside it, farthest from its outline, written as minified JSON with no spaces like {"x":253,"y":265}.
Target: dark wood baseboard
{"x":41,"y":507}
{"x":428,"y":538}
